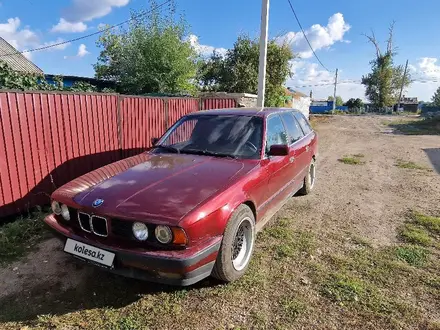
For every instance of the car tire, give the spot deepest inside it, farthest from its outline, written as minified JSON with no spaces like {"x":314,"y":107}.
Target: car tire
{"x":237,"y":246}
{"x":309,"y":180}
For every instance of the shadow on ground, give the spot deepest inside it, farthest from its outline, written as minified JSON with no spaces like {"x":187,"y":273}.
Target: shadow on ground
{"x":434,"y":157}
{"x":99,"y":289}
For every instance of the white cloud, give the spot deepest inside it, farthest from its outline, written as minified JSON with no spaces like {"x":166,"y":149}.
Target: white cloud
{"x":23,"y":39}
{"x":82,"y":51}
{"x":320,"y":37}
{"x":311,"y":77}
{"x":426,"y":78}
{"x":64,"y":26}
{"x":204,"y":50}
{"x":19,"y":38}
{"x":427,"y":67}
{"x":87,"y":10}
{"x":102,"y":26}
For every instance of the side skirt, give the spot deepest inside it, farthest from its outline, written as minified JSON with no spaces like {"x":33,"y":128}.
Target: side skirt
{"x":273,"y":210}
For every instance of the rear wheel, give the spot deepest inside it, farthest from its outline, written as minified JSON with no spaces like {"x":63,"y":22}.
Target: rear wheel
{"x":309,"y":180}
{"x":237,"y":246}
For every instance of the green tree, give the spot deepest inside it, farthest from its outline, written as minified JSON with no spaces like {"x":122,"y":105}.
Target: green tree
{"x":384,"y":82}
{"x":237,"y":71}
{"x":436,"y":98}
{"x":354,"y":103}
{"x":339,"y":100}
{"x":152,"y":55}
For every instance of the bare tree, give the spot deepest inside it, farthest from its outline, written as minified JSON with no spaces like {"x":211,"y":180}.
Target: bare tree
{"x":384,"y":81}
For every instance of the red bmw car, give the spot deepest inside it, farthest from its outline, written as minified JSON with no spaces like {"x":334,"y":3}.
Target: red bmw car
{"x":190,"y":206}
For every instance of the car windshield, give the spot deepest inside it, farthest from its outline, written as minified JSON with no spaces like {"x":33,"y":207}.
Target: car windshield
{"x":235,"y":136}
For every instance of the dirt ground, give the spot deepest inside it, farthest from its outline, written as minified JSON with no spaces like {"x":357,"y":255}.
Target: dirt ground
{"x":353,"y":207}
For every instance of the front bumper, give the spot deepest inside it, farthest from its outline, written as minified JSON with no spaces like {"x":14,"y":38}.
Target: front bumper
{"x":176,"y":267}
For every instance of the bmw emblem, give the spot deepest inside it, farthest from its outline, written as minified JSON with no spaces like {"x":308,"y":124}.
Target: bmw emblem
{"x":98,"y":202}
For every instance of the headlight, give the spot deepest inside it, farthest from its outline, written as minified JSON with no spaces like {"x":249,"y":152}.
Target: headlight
{"x":163,"y":234}
{"x":65,"y":212}
{"x":56,"y":208}
{"x":140,"y":231}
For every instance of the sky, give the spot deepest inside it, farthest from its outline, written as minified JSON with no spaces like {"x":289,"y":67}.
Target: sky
{"x":334,"y":28}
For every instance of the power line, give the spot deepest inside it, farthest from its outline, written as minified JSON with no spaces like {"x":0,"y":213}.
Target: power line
{"x":305,"y":36}
{"x":87,"y":35}
{"x":358,"y":82}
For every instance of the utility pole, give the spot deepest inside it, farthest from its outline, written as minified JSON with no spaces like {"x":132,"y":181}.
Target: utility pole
{"x":263,"y":52}
{"x":403,"y":84}
{"x":334,"y":94}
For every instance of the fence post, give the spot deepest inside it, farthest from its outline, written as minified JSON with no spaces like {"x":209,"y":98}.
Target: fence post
{"x":201,"y":104}
{"x":167,"y":113}
{"x":119,"y":125}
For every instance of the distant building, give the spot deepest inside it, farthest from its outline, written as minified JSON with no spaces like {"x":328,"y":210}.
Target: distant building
{"x":408,"y":104}
{"x":324,"y":106}
{"x":16,"y":60}
{"x":299,"y":101}
{"x":69,"y":81}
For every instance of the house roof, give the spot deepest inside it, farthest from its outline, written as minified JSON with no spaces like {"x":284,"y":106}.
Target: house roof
{"x":295,"y":93}
{"x":17,"y":61}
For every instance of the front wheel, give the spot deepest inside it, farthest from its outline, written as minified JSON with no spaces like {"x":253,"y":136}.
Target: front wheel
{"x":309,"y":180}
{"x":237,"y":246}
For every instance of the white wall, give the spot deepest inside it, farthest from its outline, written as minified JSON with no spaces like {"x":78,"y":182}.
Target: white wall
{"x":302,"y":104}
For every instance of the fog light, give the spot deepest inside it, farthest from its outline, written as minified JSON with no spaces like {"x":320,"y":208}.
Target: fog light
{"x":65,"y":212}
{"x":56,"y":208}
{"x":140,"y":231}
{"x":164,"y":234}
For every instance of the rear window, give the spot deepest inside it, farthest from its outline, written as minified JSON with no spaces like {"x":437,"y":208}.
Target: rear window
{"x":303,"y":122}
{"x":293,"y":129}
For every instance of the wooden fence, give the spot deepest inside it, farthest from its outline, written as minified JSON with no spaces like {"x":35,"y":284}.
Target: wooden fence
{"x":48,"y":139}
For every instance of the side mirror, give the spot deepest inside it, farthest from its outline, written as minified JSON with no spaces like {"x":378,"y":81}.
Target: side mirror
{"x":279,"y":150}
{"x":154,"y":141}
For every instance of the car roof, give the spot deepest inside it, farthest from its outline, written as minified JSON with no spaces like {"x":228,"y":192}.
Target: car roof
{"x":260,"y":112}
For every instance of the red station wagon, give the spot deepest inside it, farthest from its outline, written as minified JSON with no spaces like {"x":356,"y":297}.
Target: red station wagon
{"x":190,"y":206}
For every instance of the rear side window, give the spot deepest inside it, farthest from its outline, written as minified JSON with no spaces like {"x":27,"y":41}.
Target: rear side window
{"x":276,"y":133}
{"x":293,"y":128}
{"x":303,"y":122}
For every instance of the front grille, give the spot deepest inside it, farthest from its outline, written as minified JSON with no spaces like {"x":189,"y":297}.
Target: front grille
{"x":99,"y":226}
{"x":93,"y":224}
{"x":84,"y":222}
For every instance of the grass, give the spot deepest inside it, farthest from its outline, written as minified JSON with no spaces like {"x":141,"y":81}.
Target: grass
{"x":410,"y":165}
{"x":413,"y":255}
{"x":429,"y":222}
{"x":18,"y":237}
{"x":421,"y":229}
{"x":292,"y":308}
{"x":343,"y":289}
{"x":413,"y":234}
{"x":359,"y":155}
{"x":352,"y":160}
{"x":369,"y":284}
{"x":416,"y":126}
{"x":290,"y":243}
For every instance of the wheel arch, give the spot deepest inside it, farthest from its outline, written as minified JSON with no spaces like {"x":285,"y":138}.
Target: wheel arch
{"x":252,"y":206}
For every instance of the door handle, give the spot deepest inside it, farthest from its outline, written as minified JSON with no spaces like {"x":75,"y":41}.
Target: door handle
{"x":307,"y":148}
{"x":291,"y":159}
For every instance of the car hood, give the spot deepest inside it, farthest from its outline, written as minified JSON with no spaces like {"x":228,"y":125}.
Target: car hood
{"x":161,"y":186}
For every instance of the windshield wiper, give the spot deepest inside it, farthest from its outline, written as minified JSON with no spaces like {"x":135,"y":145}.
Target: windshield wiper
{"x":169,"y":148}
{"x":207,"y":153}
